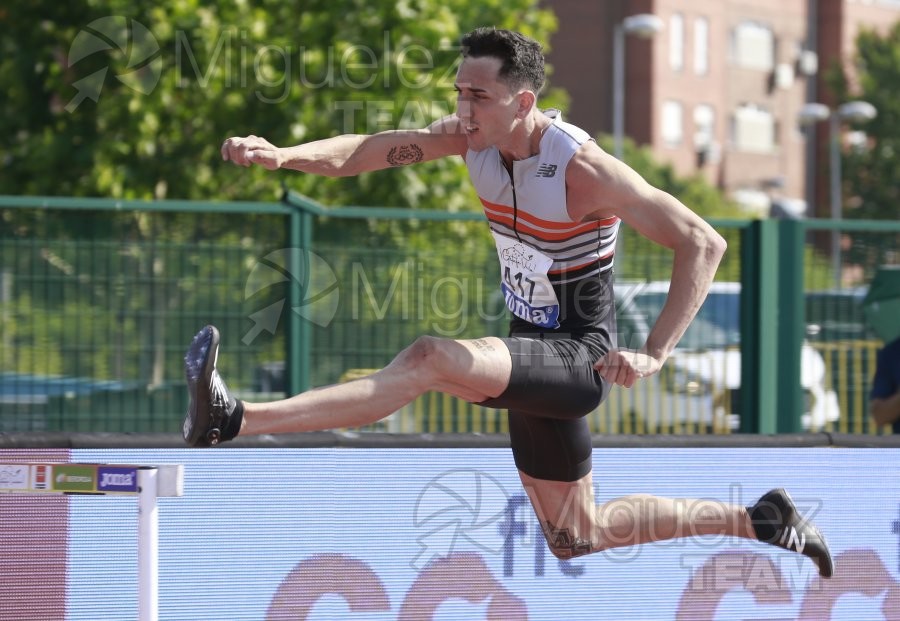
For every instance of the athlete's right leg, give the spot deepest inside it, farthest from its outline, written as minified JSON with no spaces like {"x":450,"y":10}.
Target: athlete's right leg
{"x":475,"y":370}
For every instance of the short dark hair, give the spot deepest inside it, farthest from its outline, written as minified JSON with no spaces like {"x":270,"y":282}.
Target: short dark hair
{"x":522,"y":60}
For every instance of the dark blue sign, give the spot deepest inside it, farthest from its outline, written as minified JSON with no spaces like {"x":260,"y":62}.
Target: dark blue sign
{"x":117,"y":479}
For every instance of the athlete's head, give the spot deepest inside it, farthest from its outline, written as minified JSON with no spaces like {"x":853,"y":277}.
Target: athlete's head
{"x":521,"y":60}
{"x":497,"y":84}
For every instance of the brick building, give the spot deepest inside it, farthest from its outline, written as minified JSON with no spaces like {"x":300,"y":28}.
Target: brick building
{"x":719,"y":89}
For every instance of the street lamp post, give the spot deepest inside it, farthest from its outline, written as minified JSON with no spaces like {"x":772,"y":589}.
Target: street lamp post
{"x":645,"y":26}
{"x":854,"y":112}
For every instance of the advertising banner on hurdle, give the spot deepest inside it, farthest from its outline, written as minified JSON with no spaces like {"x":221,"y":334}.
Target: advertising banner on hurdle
{"x":146,"y":483}
{"x":54,"y":478}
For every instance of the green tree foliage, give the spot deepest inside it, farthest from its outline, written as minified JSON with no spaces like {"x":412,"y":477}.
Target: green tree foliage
{"x":132,"y":99}
{"x":870,"y":173}
{"x":181,"y":75}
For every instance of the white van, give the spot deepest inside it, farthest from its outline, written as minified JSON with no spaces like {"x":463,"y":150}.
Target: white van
{"x":698,"y":387}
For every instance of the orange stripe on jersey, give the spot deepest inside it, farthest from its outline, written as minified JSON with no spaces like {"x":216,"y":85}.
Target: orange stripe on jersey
{"x":548,"y":224}
{"x":537,"y":233}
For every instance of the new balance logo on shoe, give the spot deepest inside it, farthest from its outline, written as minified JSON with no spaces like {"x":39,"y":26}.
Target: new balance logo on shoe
{"x":776,"y":521}
{"x":546,"y":170}
{"x":792,"y":539}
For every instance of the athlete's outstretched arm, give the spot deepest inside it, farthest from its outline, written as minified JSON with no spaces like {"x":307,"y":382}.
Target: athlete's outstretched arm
{"x":352,"y":154}
{"x":601,"y":186}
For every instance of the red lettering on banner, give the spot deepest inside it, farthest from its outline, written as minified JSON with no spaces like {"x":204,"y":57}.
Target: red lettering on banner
{"x":465,"y":576}
{"x":327,"y":574}
{"x":731,"y":571}
{"x":460,"y":576}
{"x":858,"y":571}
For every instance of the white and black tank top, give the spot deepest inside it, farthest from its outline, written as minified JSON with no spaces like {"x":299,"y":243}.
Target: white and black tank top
{"x":528,"y":204}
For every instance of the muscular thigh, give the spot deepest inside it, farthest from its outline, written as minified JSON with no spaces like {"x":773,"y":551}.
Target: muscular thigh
{"x":475,"y":370}
{"x":552,"y":449}
{"x":553,"y":377}
{"x":552,"y":386}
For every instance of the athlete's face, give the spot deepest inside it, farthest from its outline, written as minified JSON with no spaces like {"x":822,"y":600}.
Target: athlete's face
{"x":485,"y":105}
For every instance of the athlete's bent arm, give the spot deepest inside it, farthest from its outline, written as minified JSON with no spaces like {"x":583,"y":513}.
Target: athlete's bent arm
{"x":599,"y":186}
{"x":351,"y":154}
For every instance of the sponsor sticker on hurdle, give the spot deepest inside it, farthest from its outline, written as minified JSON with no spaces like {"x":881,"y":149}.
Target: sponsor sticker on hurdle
{"x":117,"y":479}
{"x":73,"y":478}
{"x":41,"y":474}
{"x":14,"y":476}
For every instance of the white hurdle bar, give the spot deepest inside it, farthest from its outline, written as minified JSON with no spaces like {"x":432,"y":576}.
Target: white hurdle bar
{"x":146,"y":482}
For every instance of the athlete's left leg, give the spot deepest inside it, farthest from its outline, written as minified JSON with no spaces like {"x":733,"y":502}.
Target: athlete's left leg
{"x":571,"y":519}
{"x":574,"y":525}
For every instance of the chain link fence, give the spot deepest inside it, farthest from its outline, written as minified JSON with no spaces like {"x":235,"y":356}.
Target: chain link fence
{"x":99,"y":299}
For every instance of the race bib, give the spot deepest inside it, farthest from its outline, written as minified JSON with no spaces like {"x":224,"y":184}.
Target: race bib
{"x":526,"y":288}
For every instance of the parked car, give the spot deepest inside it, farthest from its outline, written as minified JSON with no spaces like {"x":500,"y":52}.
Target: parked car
{"x":837,"y":315}
{"x":836,"y":327}
{"x":699,"y":385}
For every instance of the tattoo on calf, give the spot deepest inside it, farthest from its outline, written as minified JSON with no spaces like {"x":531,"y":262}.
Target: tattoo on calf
{"x":404,"y":155}
{"x":563,"y":544}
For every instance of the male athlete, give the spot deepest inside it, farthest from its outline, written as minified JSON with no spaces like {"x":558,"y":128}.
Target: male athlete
{"x":553,"y":200}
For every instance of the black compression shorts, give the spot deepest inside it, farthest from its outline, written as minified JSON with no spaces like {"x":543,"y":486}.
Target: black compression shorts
{"x":553,"y":385}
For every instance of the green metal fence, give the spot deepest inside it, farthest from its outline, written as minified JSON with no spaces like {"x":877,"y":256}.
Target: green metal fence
{"x":99,"y":298}
{"x":833,"y":296}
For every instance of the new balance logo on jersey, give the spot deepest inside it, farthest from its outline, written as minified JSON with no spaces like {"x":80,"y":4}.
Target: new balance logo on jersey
{"x":791,"y":539}
{"x":546,"y":170}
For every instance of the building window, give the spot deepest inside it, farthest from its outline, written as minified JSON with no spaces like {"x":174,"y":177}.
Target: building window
{"x":672,"y":124}
{"x":704,"y":126}
{"x":752,"y":46}
{"x":676,"y":42}
{"x":701,"y":46}
{"x":753,"y":129}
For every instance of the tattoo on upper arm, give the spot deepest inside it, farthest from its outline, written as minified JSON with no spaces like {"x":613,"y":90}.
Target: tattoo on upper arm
{"x":405,"y":154}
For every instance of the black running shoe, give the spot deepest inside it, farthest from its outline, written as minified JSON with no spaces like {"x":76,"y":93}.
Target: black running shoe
{"x":777,"y":521}
{"x":214,"y":415}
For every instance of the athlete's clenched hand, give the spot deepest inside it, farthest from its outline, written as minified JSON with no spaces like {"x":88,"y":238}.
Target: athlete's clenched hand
{"x":624,"y":366}
{"x":252,"y":150}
